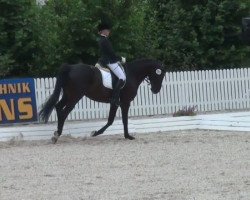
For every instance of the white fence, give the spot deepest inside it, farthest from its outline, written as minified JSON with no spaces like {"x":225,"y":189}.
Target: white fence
{"x":207,"y":90}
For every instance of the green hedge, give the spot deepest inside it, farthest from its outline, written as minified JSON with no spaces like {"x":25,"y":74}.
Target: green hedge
{"x":35,"y":40}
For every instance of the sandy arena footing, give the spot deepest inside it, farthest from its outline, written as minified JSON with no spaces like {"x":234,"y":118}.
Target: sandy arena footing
{"x":177,"y":165}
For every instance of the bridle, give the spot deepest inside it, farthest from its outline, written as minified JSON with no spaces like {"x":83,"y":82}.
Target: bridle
{"x":147,"y":80}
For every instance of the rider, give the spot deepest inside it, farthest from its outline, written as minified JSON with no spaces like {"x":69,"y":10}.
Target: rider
{"x":110,"y":59}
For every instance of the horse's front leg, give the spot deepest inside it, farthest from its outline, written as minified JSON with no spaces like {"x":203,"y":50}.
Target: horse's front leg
{"x":112,"y":113}
{"x":125,"y":107}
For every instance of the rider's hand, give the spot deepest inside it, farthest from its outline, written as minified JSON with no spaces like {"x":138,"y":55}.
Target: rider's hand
{"x":123,"y":60}
{"x":97,"y":65}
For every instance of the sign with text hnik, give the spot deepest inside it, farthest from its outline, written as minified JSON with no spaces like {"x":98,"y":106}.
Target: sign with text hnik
{"x":17,"y":101}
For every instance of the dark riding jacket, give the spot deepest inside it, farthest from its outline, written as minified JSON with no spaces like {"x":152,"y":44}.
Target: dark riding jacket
{"x":107,"y":54}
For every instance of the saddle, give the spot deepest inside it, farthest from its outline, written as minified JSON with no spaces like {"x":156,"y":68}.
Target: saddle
{"x":109,"y":79}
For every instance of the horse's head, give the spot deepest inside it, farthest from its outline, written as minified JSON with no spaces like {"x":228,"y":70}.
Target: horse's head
{"x":156,"y":75}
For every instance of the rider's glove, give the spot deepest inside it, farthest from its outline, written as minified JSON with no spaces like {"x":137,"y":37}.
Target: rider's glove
{"x":123,"y":60}
{"x":97,"y":65}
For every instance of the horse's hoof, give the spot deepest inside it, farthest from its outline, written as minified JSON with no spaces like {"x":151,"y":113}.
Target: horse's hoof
{"x":56,"y":134}
{"x":93,"y":133}
{"x":54,"y":140}
{"x":129,"y":137}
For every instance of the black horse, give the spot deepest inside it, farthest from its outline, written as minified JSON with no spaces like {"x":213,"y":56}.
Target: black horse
{"x":81,"y":80}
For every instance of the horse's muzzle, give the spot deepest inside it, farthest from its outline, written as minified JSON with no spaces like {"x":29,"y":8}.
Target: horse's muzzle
{"x":155,"y":91}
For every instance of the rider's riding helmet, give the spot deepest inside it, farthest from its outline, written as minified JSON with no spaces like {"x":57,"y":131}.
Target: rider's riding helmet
{"x":102,"y":26}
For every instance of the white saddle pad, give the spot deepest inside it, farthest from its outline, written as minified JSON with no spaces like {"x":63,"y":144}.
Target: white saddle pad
{"x":106,"y":78}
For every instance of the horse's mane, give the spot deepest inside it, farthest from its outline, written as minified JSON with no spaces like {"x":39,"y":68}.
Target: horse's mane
{"x":131,"y":63}
{"x":142,"y":61}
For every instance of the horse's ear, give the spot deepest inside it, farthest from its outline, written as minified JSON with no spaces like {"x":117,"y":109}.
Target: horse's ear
{"x":163,"y":67}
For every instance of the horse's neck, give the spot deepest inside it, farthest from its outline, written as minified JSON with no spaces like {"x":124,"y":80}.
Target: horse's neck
{"x":138,"y":72}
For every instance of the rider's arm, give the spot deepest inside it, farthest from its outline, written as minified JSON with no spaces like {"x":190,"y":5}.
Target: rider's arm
{"x":109,"y":51}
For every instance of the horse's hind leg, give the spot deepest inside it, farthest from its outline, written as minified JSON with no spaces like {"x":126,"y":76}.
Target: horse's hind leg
{"x":63,"y":109}
{"x":111,"y":118}
{"x":60,"y":105}
{"x":59,"y":111}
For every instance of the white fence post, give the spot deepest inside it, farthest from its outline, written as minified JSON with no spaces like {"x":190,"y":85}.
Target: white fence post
{"x":208,"y":90}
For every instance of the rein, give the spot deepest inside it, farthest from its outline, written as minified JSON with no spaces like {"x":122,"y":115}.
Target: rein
{"x":147,"y":80}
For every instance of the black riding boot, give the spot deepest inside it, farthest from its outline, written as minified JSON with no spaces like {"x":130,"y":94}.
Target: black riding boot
{"x":116,"y":93}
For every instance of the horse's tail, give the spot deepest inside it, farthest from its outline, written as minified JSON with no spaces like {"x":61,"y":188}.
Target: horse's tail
{"x":49,"y":105}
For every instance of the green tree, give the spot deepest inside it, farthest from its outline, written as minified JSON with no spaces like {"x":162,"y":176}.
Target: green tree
{"x":200,"y":34}
{"x":66,"y":31}
{"x":62,"y":34}
{"x":16,"y":44}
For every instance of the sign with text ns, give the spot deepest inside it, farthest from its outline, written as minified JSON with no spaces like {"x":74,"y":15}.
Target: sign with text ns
{"x":17,"y":101}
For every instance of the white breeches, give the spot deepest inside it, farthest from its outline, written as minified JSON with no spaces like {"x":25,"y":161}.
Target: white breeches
{"x":115,"y":67}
